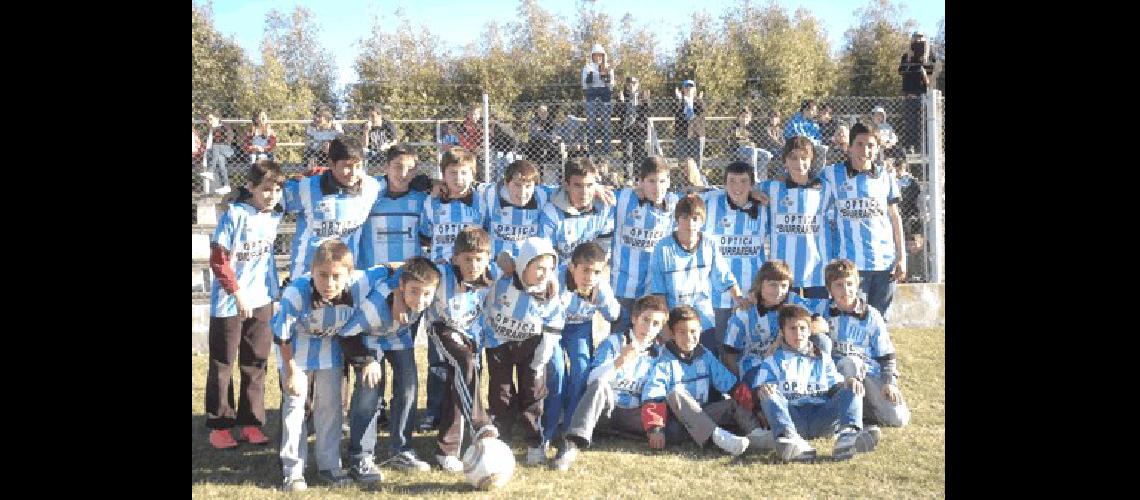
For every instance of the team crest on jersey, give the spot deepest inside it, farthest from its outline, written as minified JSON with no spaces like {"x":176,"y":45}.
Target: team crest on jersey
{"x":788,"y":201}
{"x":443,"y":211}
{"x":848,"y":186}
{"x":504,"y":212}
{"x":726,"y":221}
{"x":636,"y":213}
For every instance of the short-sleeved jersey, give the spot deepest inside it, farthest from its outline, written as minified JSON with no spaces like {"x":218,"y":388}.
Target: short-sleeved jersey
{"x":580,"y":310}
{"x":798,"y":231}
{"x":247,"y":234}
{"x":738,"y":236}
{"x":314,"y":332}
{"x":752,"y":332}
{"x":638,"y":226}
{"x":373,"y":319}
{"x":861,"y":333}
{"x":567,"y":231}
{"x":697,"y":376}
{"x":864,"y":224}
{"x":441,"y":222}
{"x":514,"y":315}
{"x":391,"y":233}
{"x":629,"y":380}
{"x":801,"y":379}
{"x":457,"y":305}
{"x":507,"y":224}
{"x":689,"y":278}
{"x":322,"y":216}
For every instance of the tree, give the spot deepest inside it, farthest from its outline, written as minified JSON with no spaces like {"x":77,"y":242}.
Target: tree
{"x":940,"y":53}
{"x":870,"y":59}
{"x":219,"y":67}
{"x":707,"y":58}
{"x":296,"y":38}
{"x":640,"y":51}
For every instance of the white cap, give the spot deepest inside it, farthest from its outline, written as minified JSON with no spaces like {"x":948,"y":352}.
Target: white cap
{"x":598,"y":49}
{"x":533,"y":247}
{"x":878,"y":109}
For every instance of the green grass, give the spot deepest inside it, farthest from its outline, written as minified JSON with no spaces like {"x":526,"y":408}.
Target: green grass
{"x":909,"y":462}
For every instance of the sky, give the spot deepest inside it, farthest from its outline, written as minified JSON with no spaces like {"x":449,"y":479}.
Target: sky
{"x":342,"y":23}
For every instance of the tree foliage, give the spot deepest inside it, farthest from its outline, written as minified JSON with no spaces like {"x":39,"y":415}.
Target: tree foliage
{"x":870,"y":60}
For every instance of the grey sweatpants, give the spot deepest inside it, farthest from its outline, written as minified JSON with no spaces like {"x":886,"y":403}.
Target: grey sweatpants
{"x":598,"y":406}
{"x":702,"y":421}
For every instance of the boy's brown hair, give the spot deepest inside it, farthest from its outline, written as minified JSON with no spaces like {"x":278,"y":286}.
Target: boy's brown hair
{"x":691,"y":204}
{"x":472,"y":239}
{"x":655,"y":303}
{"x":772,"y":270}
{"x":792,"y":312}
{"x":839,"y":269}
{"x":266,"y":169}
{"x":523,"y":169}
{"x":456,"y":156}
{"x":578,"y":167}
{"x":652,"y":165}
{"x":860,"y":129}
{"x":333,"y":251}
{"x":420,"y":269}
{"x":799,"y":142}
{"x":682,"y":313}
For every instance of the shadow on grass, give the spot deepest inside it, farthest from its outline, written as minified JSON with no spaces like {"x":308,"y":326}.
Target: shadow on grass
{"x":246,"y":464}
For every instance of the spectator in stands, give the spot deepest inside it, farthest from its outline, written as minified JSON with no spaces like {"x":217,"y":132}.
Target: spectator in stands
{"x":572,"y":130}
{"x":635,"y":103}
{"x":917,"y":69}
{"x":217,"y":152}
{"x":318,"y":134}
{"x":504,"y":142}
{"x":197,"y":146}
{"x":886,"y":133}
{"x":543,"y":144}
{"x":449,"y":138}
{"x":770,"y":140}
{"x":688,"y":122}
{"x":740,"y":136}
{"x":837,"y":150}
{"x":916,"y":256}
{"x":803,"y":123}
{"x":260,"y":141}
{"x":827,"y":122}
{"x":597,"y":84}
{"x":380,"y":134}
{"x":471,"y":133}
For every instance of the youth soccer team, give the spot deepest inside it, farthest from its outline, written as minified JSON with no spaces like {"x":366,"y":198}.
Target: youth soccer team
{"x":709,"y":333}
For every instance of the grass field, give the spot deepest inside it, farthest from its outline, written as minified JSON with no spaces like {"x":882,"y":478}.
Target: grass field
{"x":909,"y":462}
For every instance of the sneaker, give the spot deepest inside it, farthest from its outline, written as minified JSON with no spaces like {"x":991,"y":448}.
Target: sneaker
{"x":335,"y":478}
{"x":252,"y":435}
{"x":537,"y":455}
{"x":294,"y":484}
{"x":732,"y":444}
{"x":407,"y":460}
{"x":382,"y":418}
{"x":850,"y":441}
{"x":761,"y":440}
{"x":222,"y":190}
{"x":428,"y":424}
{"x":449,"y":463}
{"x":365,"y":471}
{"x":794,"y":449}
{"x":222,"y":439}
{"x":565,"y":457}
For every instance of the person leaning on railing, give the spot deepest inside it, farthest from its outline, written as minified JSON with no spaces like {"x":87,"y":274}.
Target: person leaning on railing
{"x":260,"y":141}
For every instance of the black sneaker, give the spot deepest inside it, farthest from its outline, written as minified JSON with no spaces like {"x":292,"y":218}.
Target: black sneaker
{"x":365,"y":471}
{"x":382,"y":417}
{"x":333,"y":478}
{"x":428,"y":424}
{"x":407,"y":460}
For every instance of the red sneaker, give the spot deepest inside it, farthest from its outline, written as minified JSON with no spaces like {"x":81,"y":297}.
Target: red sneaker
{"x":222,"y":439}
{"x":252,"y":435}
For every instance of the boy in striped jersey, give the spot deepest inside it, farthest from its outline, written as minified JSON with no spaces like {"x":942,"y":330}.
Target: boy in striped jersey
{"x":576,"y":213}
{"x":241,"y":305}
{"x":643,"y":216}
{"x":804,"y":396}
{"x":866,"y":201}
{"x":334,"y":204}
{"x":391,"y":232}
{"x":752,"y":332}
{"x":797,"y":210}
{"x":377,"y":329}
{"x":525,"y":318}
{"x":461,"y":205}
{"x":585,"y":291}
{"x":736,"y":224}
{"x":679,"y":385}
{"x":512,"y":209}
{"x":687,"y":269}
{"x":456,"y":317}
{"x":862,"y":345}
{"x":313,"y":309}
{"x":617,"y":376}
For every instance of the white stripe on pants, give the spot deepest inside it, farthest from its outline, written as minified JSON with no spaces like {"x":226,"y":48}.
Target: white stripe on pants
{"x":327,"y":419}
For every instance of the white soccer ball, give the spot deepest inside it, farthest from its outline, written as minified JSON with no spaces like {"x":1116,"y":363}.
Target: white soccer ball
{"x":488,"y":463}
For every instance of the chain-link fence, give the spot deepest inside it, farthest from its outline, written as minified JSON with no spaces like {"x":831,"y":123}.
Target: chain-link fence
{"x":617,"y":136}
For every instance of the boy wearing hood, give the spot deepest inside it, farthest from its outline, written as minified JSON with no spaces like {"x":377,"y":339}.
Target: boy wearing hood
{"x":597,"y":85}
{"x":524,"y":319}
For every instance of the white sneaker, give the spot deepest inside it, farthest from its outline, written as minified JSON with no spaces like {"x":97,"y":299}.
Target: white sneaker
{"x":566,"y":456}
{"x":850,"y":441}
{"x":794,"y":448}
{"x":732,"y":444}
{"x":761,"y":440}
{"x":408,"y":460}
{"x":537,"y":455}
{"x":449,"y":463}
{"x":222,"y":190}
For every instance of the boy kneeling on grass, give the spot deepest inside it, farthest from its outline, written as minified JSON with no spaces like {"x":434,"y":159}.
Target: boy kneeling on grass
{"x":678,"y":386}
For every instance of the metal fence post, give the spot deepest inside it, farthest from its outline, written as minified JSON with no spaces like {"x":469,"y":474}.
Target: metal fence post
{"x":933,"y":149}
{"x":486,"y":138}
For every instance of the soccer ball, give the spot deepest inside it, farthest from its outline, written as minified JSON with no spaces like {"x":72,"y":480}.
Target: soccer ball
{"x":488,"y":463}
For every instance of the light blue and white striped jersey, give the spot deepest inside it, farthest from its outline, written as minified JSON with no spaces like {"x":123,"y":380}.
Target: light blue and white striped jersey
{"x":457,"y":305}
{"x":314,"y":333}
{"x":861,"y":333}
{"x":695,"y":376}
{"x":801,"y":379}
{"x":514,"y":315}
{"x":322,"y":216}
{"x":865,"y":233}
{"x":638,"y":226}
{"x":373,"y":320}
{"x":579,"y":310}
{"x":690,"y":278}
{"x":799,"y":233}
{"x":441,"y":222}
{"x":629,"y":380}
{"x":751,"y":332}
{"x":247,"y":234}
{"x":566,"y":231}
{"x":507,"y":224}
{"x":391,"y":233}
{"x":738,"y":236}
